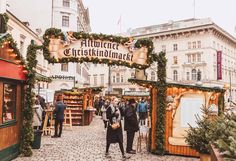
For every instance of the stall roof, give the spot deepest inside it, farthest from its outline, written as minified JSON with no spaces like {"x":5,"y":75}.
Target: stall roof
{"x":42,"y":78}
{"x":79,"y":91}
{"x":148,"y":84}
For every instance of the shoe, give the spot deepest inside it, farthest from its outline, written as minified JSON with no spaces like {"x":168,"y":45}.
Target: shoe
{"x":54,"y":136}
{"x":107,"y":155}
{"x":131,"y":152}
{"x":125,"y":157}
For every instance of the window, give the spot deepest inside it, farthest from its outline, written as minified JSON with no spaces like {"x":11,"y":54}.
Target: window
{"x":175,"y":75}
{"x":132,"y":75}
{"x":194,"y":45}
{"x":214,"y":44}
{"x":175,"y":47}
{"x":65,"y":21}
{"x":189,"y":58}
{"x":152,"y":75}
{"x":132,"y":89}
{"x":117,"y":78}
{"x":114,"y":79}
{"x":163,"y":48}
{"x":189,"y":45}
{"x":89,"y":79}
{"x":102,"y":79}
{"x":175,"y":60}
{"x":95,"y":79}
{"x":199,"y":75}
{"x":199,"y":57}
{"x":22,"y":47}
{"x":9,"y":102}
{"x":194,"y":74}
{"x":66,"y":3}
{"x":187,"y":76}
{"x":199,"y":44}
{"x":194,"y":57}
{"x":64,"y":67}
{"x":78,"y":69}
{"x":121,"y":78}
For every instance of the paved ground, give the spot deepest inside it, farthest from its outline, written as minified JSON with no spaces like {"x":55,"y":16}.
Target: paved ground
{"x":87,"y":143}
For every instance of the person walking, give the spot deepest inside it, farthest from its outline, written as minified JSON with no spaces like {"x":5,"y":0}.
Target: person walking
{"x":104,"y":115}
{"x":130,"y":125}
{"x":142,"y":111}
{"x":59,"y":115}
{"x":114,"y":129}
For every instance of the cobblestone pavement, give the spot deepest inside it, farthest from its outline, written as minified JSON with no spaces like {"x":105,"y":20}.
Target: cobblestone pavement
{"x":87,"y":143}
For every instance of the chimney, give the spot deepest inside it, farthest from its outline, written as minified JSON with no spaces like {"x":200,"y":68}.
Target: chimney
{"x":3,"y":6}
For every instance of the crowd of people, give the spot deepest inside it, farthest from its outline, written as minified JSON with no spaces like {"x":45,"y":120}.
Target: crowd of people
{"x":113,"y":111}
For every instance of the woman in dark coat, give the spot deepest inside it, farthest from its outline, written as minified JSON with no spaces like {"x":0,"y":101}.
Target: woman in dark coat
{"x":131,"y":125}
{"x":114,"y":135}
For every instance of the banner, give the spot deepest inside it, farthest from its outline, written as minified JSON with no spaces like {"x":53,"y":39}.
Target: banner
{"x":98,"y":49}
{"x":219,"y":65}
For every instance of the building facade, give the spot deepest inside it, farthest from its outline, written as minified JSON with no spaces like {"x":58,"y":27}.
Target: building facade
{"x":23,"y":36}
{"x":191,"y":48}
{"x":67,"y":15}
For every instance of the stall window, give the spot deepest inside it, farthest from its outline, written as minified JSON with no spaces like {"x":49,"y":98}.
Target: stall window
{"x":9,"y":102}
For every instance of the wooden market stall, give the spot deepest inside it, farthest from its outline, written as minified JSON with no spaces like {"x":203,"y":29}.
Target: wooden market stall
{"x":79,"y":102}
{"x":12,"y":79}
{"x":181,"y":104}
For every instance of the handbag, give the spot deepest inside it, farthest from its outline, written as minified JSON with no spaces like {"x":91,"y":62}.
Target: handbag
{"x":115,"y":125}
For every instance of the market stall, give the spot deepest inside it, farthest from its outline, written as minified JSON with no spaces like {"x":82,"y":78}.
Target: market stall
{"x":173,"y":109}
{"x":80,"y":102}
{"x":12,"y":79}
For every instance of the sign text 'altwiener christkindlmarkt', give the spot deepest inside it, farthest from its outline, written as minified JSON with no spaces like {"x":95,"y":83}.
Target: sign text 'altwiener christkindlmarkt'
{"x":98,"y":49}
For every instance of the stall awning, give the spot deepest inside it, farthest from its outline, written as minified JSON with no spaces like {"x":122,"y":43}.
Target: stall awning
{"x":42,"y":78}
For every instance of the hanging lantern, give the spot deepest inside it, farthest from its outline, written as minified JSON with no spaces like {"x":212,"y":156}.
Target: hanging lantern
{"x":17,"y":61}
{"x":25,"y":71}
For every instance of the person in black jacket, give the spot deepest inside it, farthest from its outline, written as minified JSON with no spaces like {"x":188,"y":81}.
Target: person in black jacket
{"x":130,"y":125}
{"x":114,"y":135}
{"x":59,"y":115}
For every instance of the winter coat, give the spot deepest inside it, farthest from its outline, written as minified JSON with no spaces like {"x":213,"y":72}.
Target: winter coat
{"x":113,"y":115}
{"x":131,"y":121}
{"x":59,"y":110}
{"x":37,"y":117}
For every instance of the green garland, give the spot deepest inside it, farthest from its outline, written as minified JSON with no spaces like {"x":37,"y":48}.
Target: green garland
{"x":56,"y":33}
{"x":3,"y":19}
{"x":27,"y":111}
{"x":161,"y":101}
{"x":7,"y":38}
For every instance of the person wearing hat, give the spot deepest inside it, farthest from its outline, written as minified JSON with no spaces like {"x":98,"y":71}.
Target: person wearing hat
{"x":130,"y":125}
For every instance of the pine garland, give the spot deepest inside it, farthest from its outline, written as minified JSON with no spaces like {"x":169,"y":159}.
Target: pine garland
{"x":27,"y":110}
{"x":161,"y":102}
{"x":57,"y":33}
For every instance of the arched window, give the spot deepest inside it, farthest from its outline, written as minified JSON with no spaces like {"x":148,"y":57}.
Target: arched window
{"x":175,"y":75}
{"x":117,"y":78}
{"x":152,"y":75}
{"x":194,"y":74}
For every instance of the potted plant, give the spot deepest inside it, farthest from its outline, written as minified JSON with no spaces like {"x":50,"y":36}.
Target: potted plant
{"x":199,"y":138}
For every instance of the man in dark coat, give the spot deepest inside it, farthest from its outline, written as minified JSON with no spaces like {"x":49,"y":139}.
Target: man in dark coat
{"x":59,"y":115}
{"x":130,"y":125}
{"x":114,"y":135}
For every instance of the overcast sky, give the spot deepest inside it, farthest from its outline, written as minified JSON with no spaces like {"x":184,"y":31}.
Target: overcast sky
{"x":105,"y":14}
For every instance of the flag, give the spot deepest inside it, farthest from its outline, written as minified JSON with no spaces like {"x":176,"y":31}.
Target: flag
{"x":119,"y":21}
